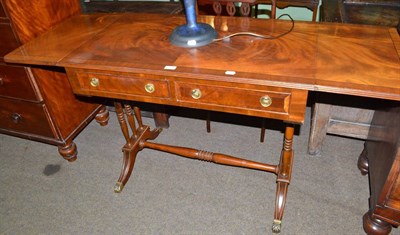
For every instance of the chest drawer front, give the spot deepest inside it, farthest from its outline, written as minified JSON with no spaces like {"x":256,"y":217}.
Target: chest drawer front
{"x":230,"y":97}
{"x":8,"y":42}
{"x":24,"y":117}
{"x":14,"y":82}
{"x":126,"y":85}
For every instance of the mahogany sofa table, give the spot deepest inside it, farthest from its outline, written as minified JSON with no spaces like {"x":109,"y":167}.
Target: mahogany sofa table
{"x":129,"y":57}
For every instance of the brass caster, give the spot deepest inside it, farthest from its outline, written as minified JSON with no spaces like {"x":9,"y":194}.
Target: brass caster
{"x":276,"y":226}
{"x":118,"y":187}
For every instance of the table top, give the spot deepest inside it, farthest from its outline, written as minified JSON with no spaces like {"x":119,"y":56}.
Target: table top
{"x":329,"y":57}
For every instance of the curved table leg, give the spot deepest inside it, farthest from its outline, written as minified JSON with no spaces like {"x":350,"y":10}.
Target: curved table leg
{"x":68,"y":151}
{"x":280,"y":201}
{"x":133,"y":143}
{"x":283,"y":178}
{"x":373,"y":225}
{"x":130,"y":152}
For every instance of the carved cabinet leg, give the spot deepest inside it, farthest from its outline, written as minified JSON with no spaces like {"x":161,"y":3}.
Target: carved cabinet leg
{"x":375,"y":226}
{"x":103,"y":116}
{"x":283,"y":178}
{"x":68,"y":151}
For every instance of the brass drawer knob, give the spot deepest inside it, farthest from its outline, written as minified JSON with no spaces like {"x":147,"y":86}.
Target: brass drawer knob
{"x":149,"y":87}
{"x":265,"y":101}
{"x":196,"y":94}
{"x":1,"y":80}
{"x":94,"y":82}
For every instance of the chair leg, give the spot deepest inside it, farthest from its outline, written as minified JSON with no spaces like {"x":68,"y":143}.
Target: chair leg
{"x":262,"y":135}
{"x":208,"y":122}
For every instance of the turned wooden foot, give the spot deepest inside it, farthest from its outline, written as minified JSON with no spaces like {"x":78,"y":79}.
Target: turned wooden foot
{"x":68,"y":151}
{"x":103,"y":116}
{"x":375,"y":226}
{"x":363,"y":162}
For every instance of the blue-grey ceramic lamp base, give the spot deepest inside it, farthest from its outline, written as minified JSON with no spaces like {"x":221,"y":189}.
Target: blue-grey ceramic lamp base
{"x":199,"y":35}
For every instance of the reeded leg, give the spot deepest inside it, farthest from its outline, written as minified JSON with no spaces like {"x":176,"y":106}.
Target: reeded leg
{"x":363,"y":162}
{"x":68,"y":151}
{"x":103,"y":116}
{"x":375,"y":226}
{"x":127,"y":168}
{"x":133,"y":143}
{"x":283,"y":178}
{"x":130,"y":152}
{"x":280,"y":201}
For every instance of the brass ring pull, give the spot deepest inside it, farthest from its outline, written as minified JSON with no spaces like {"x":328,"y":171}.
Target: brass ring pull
{"x":265,"y":101}
{"x":196,"y":93}
{"x":1,"y":80}
{"x":94,"y":82}
{"x":149,"y":87}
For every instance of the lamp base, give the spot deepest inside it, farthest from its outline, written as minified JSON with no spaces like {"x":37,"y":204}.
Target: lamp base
{"x":200,"y":35}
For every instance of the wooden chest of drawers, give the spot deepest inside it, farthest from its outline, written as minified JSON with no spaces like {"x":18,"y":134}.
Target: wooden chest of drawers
{"x":36,"y":103}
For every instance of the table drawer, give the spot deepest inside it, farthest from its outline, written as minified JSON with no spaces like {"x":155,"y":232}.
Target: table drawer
{"x":135,"y":85}
{"x":247,"y":99}
{"x":14,"y":82}
{"x":24,"y":117}
{"x":8,"y":42}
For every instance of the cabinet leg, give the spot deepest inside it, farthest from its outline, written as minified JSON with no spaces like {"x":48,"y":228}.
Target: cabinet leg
{"x":68,"y":151}
{"x":375,"y":226}
{"x":363,"y":161}
{"x":102,"y":116}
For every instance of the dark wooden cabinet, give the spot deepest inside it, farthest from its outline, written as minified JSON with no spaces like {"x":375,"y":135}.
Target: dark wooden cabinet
{"x":37,"y":103}
{"x":381,"y":160}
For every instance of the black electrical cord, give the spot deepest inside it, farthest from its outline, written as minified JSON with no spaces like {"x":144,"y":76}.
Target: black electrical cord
{"x":259,"y":35}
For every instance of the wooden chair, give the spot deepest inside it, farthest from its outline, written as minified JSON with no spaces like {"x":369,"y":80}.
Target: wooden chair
{"x":310,"y":4}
